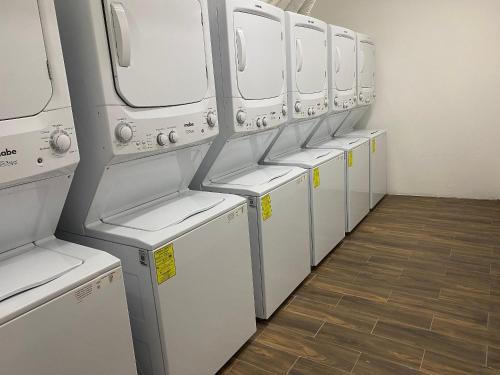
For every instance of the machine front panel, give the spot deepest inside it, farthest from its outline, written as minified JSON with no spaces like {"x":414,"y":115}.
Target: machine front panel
{"x":366,"y":65}
{"x":358,"y":172}
{"x":260,"y":59}
{"x":344,"y":62}
{"x":378,"y":168}
{"x":24,"y":72}
{"x":204,"y":291}
{"x":311,"y":56}
{"x":158,"y":51}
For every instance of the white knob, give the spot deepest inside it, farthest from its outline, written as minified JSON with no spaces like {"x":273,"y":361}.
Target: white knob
{"x":162,"y":139}
{"x":314,"y":111}
{"x":241,"y":117}
{"x":259,"y":122}
{"x":284,"y":110}
{"x":361,"y":97}
{"x":298,"y":106}
{"x":326,"y":102}
{"x":124,"y":133}
{"x":211,"y":119}
{"x":173,"y":137}
{"x":265,"y":122}
{"x":60,"y":142}
{"x":336,"y":102}
{"x":310,"y":111}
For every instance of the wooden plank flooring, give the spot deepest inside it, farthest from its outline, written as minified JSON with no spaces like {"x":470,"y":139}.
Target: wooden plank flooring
{"x":414,"y":290}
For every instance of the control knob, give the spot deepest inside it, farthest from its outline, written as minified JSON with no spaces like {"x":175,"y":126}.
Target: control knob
{"x":336,"y":101}
{"x":326,"y":102}
{"x":284,"y":110}
{"x":162,"y":139}
{"x":173,"y":137}
{"x":298,"y":106}
{"x":258,"y":122}
{"x":241,"y":117}
{"x":310,"y":111}
{"x":265,"y":122}
{"x":211,"y":119}
{"x":124,"y":133}
{"x":60,"y":142}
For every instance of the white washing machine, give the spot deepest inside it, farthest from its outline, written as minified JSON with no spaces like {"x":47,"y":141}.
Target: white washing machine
{"x":60,"y":303}
{"x":146,"y":121}
{"x":378,"y":162}
{"x":357,"y":176}
{"x":326,"y":178}
{"x":308,"y":96}
{"x":250,"y":66}
{"x":365,"y":69}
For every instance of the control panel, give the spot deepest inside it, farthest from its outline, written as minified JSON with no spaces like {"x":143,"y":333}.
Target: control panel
{"x":49,"y":143}
{"x":366,"y":97}
{"x":343,"y":101}
{"x":304,"y":108}
{"x":149,"y":131}
{"x":248,"y":119}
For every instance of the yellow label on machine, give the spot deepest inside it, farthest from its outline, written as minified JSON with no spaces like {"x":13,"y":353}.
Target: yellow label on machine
{"x":374,"y":146}
{"x":267,"y":209}
{"x":349,"y":159}
{"x":316,"y":178}
{"x":165,"y":263}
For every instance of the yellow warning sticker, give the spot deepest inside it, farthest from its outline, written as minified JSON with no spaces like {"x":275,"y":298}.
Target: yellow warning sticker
{"x":349,"y":159}
{"x":165,"y":263}
{"x":374,"y":146}
{"x":267,"y":209}
{"x":316,"y":178}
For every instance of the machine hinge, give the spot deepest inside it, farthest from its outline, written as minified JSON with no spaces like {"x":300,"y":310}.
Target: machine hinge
{"x":143,"y":257}
{"x":49,"y":71}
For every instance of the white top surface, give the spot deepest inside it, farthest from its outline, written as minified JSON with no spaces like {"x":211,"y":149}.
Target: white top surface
{"x":366,"y":133}
{"x":307,"y":159}
{"x":163,"y":220}
{"x":53,"y":267}
{"x":343,"y":143}
{"x":32,"y":269}
{"x":255,"y":182}
{"x":25,"y":84}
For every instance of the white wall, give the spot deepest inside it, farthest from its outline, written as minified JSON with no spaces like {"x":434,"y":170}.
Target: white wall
{"x":438,"y":90}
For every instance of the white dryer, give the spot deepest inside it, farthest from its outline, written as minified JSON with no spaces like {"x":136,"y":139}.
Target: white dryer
{"x":378,"y":162}
{"x":365,"y":69}
{"x":141,"y":80}
{"x":60,"y":303}
{"x":250,"y":67}
{"x":357,"y":176}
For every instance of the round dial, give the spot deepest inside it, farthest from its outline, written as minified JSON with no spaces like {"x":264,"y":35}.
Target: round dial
{"x":162,"y":139}
{"x":211,"y":119}
{"x":336,"y":101}
{"x":60,"y":142}
{"x":265,"y":122}
{"x":241,"y":117}
{"x":361,"y":97}
{"x":124,"y":133}
{"x":284,"y":109}
{"x":298,"y":106}
{"x":310,"y":111}
{"x":173,"y":137}
{"x":258,"y":122}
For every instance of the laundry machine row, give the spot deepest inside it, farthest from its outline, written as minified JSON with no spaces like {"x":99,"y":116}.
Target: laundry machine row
{"x":207,"y":184}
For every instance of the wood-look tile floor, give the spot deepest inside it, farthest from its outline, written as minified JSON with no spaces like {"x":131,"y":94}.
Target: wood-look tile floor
{"x":414,"y":290}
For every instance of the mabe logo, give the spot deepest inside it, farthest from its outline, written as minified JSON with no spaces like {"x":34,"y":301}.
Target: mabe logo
{"x":188,"y":125}
{"x":8,"y":152}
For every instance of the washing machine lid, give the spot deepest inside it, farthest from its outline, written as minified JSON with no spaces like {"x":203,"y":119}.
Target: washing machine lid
{"x":260,"y":60}
{"x":158,"y":51}
{"x":344,"y":143}
{"x":366,"y":63}
{"x":366,"y":133}
{"x":309,"y":158}
{"x":24,"y":74}
{"x":311,"y":59}
{"x":161,"y":215}
{"x":257,"y":177}
{"x":344,"y":61}
{"x":31,"y":269}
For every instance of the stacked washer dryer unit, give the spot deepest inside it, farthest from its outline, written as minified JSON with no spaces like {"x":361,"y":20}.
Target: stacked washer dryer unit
{"x":250,"y":67}
{"x":342,"y":85}
{"x":308,"y":96}
{"x":377,"y":138}
{"x":60,"y":303}
{"x":141,"y":80}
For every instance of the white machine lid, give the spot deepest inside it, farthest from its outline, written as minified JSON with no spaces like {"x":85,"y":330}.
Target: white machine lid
{"x":309,"y":158}
{"x":366,"y":133}
{"x":343,"y":143}
{"x":311,"y":59}
{"x":260,"y":61}
{"x":366,"y":63}
{"x":31,"y":269}
{"x":24,"y":76}
{"x":158,"y":51}
{"x":256,"y":177}
{"x":344,"y":61}
{"x":152,"y":218}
